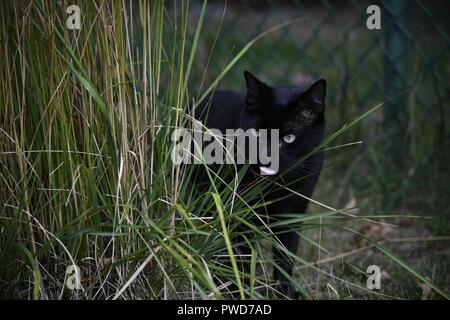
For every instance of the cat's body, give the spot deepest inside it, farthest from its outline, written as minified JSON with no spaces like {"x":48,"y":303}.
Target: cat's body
{"x":299,"y":116}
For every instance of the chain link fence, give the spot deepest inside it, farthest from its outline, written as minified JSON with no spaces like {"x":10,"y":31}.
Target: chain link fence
{"x":331,"y":40}
{"x":406,"y":61}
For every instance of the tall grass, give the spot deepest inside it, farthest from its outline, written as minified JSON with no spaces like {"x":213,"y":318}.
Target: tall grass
{"x":86,"y":174}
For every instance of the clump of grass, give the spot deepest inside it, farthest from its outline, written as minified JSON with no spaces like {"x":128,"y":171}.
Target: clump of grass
{"x":87,"y":177}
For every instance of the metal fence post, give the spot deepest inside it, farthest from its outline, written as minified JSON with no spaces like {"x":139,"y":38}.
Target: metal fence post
{"x":395,"y":78}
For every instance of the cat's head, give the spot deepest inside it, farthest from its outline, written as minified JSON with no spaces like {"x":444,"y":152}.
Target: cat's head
{"x":297,"y":114}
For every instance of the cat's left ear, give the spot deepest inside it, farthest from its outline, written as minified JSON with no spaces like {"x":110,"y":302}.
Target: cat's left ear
{"x":316,"y":94}
{"x":257,"y":91}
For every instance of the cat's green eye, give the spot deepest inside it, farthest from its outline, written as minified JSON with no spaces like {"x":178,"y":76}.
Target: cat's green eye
{"x":289,"y":138}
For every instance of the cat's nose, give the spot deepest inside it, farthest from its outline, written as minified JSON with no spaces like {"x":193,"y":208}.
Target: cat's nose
{"x":265,"y":171}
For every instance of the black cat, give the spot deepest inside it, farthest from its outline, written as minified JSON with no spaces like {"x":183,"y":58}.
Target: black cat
{"x":299,"y":117}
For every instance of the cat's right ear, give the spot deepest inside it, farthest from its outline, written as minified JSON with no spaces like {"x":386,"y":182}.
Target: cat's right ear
{"x":316,"y":94}
{"x":257,"y":91}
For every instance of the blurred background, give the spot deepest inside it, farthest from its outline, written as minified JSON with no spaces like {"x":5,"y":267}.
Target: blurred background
{"x":402,"y":162}
{"x":401,"y":167}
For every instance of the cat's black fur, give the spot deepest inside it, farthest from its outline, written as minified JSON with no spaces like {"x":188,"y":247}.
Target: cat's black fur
{"x":292,"y":111}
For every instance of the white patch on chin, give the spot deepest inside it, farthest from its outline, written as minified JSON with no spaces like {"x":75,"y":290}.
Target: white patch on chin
{"x":266,"y":171}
